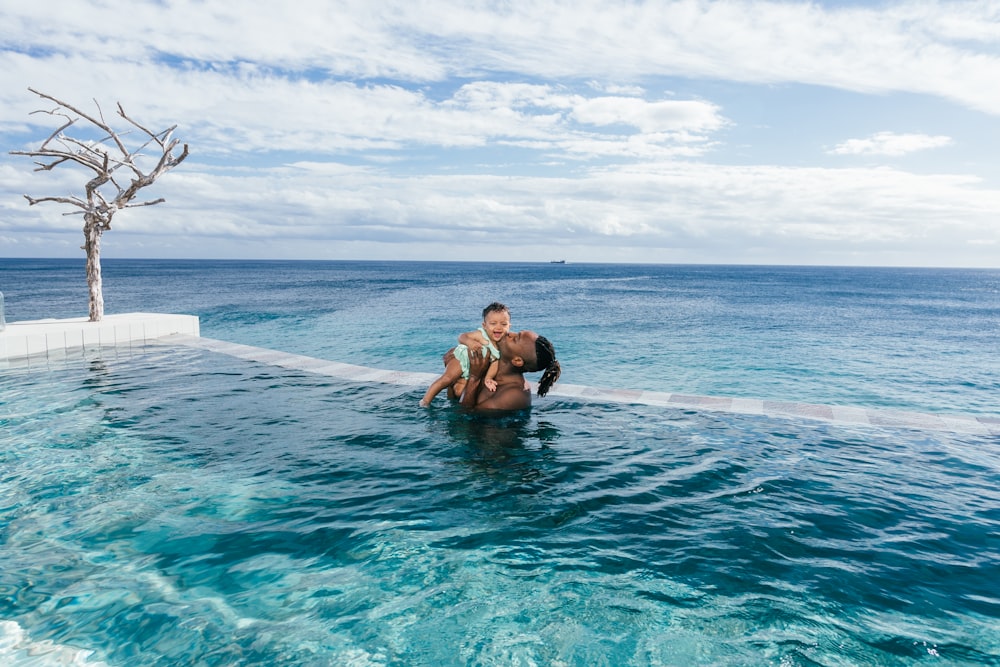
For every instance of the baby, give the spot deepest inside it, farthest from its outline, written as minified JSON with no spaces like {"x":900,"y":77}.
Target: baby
{"x":496,"y":324}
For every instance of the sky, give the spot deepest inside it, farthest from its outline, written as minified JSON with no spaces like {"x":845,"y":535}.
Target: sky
{"x":692,"y":132}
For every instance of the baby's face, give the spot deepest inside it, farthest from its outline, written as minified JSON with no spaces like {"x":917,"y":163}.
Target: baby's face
{"x":497,"y":325}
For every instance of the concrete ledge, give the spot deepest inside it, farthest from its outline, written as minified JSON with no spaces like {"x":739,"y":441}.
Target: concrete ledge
{"x":53,"y":338}
{"x":58,"y":339}
{"x":972,"y":424}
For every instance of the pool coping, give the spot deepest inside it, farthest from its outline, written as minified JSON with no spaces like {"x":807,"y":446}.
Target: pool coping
{"x":838,"y":414}
{"x":38,"y":342}
{"x":55,"y":338}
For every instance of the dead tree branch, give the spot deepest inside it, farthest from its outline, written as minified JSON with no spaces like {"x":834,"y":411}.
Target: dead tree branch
{"x":106,"y":192}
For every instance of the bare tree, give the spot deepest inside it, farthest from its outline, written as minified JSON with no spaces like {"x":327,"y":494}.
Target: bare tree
{"x":107,"y":192}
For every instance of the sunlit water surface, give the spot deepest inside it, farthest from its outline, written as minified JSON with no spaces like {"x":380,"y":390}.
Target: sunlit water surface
{"x":180,"y":507}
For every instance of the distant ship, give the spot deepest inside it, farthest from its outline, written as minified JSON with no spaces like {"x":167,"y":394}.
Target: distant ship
{"x":558,"y":261}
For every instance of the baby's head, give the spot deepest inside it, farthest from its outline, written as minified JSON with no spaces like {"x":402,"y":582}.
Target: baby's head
{"x":496,"y":320}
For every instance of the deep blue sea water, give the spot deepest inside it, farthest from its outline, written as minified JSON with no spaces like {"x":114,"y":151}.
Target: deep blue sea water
{"x":916,"y":339}
{"x":180,"y":507}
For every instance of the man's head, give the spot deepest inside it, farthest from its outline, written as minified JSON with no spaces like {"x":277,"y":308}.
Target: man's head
{"x":530,"y":352}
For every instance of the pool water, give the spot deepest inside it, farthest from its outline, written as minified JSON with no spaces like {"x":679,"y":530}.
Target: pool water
{"x":175,"y":506}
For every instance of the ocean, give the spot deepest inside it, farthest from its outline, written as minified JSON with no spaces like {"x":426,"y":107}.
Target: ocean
{"x":917,"y":339}
{"x":177,"y":506}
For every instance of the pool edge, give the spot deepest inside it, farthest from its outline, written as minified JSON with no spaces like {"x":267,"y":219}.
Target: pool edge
{"x":56,"y":338}
{"x":837,"y":414}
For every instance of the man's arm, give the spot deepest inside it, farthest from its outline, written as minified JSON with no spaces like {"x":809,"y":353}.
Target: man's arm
{"x":477,"y":373}
{"x":508,"y":396}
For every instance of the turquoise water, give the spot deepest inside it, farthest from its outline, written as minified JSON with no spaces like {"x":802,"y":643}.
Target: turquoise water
{"x":926,"y":340}
{"x":180,"y":507}
{"x":174,"y":506}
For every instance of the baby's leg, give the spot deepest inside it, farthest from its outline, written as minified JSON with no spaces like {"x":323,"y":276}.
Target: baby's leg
{"x":452,"y":372}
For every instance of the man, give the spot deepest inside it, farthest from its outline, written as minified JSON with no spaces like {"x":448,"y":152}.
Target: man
{"x":520,"y":353}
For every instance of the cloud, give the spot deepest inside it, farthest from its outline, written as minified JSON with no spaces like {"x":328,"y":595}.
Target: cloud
{"x":622,"y":129}
{"x":666,"y":206}
{"x":928,"y":47}
{"x":649,"y":117}
{"x":889,"y":143}
{"x":259,"y":113}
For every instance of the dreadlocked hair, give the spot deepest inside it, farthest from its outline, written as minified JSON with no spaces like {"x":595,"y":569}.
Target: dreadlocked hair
{"x":545,"y":357}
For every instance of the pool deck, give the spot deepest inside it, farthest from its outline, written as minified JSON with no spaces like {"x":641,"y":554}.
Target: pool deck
{"x":53,"y":339}
{"x":39,"y":342}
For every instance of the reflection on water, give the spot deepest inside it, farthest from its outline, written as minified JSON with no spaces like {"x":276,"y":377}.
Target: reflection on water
{"x":516,"y":448}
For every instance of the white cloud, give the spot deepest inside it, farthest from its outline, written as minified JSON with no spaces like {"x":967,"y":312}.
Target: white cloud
{"x":927,"y":47}
{"x":270,"y":113}
{"x":670,"y":208}
{"x":889,"y":143}
{"x":662,"y":116}
{"x":596,"y":125}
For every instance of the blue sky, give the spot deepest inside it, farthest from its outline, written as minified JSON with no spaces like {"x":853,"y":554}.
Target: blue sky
{"x":678,"y":132}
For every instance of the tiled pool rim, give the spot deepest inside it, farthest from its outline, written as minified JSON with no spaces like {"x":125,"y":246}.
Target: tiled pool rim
{"x":54,"y":337}
{"x":146,"y":330}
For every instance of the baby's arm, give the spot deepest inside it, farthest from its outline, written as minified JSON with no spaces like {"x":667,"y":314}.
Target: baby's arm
{"x":491,"y":373}
{"x":473,"y":340}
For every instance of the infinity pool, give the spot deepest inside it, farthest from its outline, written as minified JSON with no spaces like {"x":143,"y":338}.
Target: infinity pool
{"x":184,"y":507}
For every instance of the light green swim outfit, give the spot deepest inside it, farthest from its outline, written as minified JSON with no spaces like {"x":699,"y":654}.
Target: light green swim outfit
{"x":461,"y":353}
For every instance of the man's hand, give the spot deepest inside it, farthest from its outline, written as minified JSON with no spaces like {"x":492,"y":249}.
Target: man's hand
{"x":507,"y":396}
{"x":478,"y":364}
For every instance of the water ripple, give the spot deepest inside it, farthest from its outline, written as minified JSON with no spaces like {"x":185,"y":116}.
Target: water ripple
{"x":270,"y":517}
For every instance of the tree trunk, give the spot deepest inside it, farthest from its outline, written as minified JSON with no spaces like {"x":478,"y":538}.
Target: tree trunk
{"x":92,"y":244}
